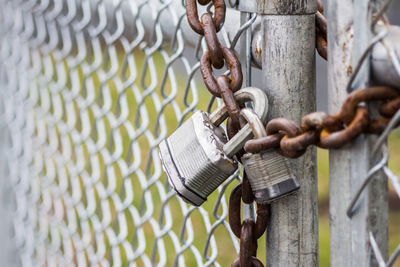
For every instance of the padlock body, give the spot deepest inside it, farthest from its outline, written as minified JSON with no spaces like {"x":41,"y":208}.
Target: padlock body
{"x":270,"y":176}
{"x":193,"y":158}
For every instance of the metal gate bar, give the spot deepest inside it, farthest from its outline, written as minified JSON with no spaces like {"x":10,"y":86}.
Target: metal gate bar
{"x":288,"y":63}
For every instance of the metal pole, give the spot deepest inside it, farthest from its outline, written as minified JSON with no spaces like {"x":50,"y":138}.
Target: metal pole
{"x":245,"y":59}
{"x":288,"y":67}
{"x":348,"y":36}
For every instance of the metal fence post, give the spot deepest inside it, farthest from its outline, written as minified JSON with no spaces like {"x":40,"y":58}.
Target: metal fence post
{"x":348,"y":36}
{"x":288,"y":67}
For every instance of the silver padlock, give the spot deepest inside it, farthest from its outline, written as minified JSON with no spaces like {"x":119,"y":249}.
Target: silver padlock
{"x":197,"y":157}
{"x":269,"y":173}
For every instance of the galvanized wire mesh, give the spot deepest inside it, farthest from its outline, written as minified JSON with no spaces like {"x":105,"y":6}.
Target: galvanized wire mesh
{"x":88,"y":90}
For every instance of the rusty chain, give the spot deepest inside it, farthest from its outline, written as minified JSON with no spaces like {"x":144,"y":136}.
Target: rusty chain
{"x":327,"y":131}
{"x":223,"y":86}
{"x":249,"y":231}
{"x":217,"y":55}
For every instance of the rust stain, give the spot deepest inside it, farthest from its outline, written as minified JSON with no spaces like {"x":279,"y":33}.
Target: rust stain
{"x":349,"y":70}
{"x":258,"y":50}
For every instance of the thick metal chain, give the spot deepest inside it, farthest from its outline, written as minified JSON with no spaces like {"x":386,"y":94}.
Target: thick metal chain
{"x":327,"y":131}
{"x":223,"y":86}
{"x":217,"y":55}
{"x":248,"y":231}
{"x":321,"y":129}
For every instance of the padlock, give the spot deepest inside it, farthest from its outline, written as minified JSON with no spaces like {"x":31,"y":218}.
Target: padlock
{"x":197,"y":157}
{"x":269,"y":173}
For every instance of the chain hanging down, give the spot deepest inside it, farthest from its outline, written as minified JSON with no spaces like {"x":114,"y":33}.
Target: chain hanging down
{"x":248,"y":231}
{"x":216,"y":55}
{"x":223,"y":86}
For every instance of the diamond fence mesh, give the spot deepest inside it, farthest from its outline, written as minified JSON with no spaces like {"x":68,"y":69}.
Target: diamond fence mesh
{"x":89,"y":89}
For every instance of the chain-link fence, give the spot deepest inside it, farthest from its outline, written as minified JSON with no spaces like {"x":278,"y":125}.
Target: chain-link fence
{"x":88,"y":90}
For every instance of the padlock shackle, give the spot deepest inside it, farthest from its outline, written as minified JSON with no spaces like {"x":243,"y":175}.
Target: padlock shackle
{"x":260,"y":104}
{"x":254,"y":121}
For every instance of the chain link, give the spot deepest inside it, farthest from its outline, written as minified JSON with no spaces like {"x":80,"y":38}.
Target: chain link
{"x":217,"y":55}
{"x":223,"y":86}
{"x":326,"y":131}
{"x":248,"y":231}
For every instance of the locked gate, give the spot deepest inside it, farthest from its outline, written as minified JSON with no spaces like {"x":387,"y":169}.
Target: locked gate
{"x":88,"y":90}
